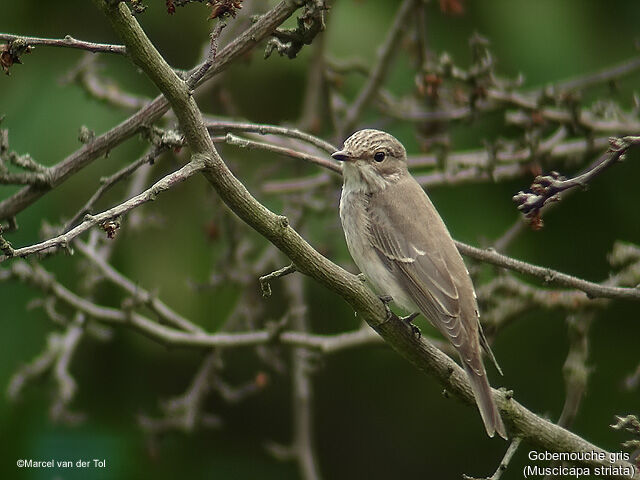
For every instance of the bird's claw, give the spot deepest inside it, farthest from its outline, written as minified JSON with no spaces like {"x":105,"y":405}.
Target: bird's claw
{"x":414,"y":328}
{"x":386,"y":299}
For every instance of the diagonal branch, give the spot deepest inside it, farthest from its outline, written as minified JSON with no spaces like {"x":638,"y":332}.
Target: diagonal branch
{"x":324,"y":162}
{"x":149,"y":195}
{"x":375,"y":79}
{"x":547,"y":188}
{"x":307,"y":260}
{"x":102,"y":144}
{"x":140,"y":295}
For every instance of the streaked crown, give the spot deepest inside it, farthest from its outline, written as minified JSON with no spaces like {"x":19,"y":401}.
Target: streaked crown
{"x":364,"y":143}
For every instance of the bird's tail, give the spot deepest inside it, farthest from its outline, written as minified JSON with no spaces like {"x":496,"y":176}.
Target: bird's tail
{"x":484,"y":400}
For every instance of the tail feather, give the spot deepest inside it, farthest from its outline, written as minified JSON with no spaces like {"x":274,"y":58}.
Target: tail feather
{"x":487,"y":348}
{"x":486,"y":405}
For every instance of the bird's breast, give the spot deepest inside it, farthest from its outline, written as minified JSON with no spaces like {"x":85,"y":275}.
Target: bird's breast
{"x":353,"y":214}
{"x":355,"y":223}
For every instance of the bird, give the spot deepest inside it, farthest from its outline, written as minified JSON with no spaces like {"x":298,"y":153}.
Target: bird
{"x":402,"y":246}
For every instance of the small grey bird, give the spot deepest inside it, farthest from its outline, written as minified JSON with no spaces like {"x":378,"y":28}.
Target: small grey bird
{"x":405,"y":251}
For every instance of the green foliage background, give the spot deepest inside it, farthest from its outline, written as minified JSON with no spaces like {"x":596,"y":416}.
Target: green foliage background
{"x":376,"y":416}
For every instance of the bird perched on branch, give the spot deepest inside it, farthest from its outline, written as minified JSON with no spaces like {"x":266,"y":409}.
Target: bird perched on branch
{"x":405,"y":251}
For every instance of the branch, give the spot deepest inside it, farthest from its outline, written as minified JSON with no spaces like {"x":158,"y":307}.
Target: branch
{"x":303,"y":184}
{"x":571,"y":115}
{"x":55,"y":358}
{"x":602,"y":77}
{"x":504,"y":464}
{"x":186,"y":411}
{"x":303,"y":437}
{"x":106,"y":183}
{"x":67,"y":41}
{"x":231,"y":139}
{"x":553,"y":148}
{"x":530,"y":99}
{"x":104,"y":143}
{"x":36,"y":174}
{"x":200,"y":72}
{"x":593,"y":290}
{"x":506,"y":298}
{"x":85,"y":74}
{"x":385,"y":55}
{"x":575,"y":370}
{"x":102,"y":219}
{"x":547,"y":188}
{"x":290,"y":41}
{"x":472,"y":166}
{"x":277,"y":230}
{"x":139,"y":294}
{"x":39,"y":278}
{"x":264,"y":280}
{"x":215,"y":125}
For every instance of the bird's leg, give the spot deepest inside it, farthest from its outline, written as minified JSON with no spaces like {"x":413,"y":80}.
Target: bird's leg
{"x":414,"y":328}
{"x":386,"y":300}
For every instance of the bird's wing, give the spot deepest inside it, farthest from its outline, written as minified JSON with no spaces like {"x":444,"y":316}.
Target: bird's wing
{"x":404,"y":241}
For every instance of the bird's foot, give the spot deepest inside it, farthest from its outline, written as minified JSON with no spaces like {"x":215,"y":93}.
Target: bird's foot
{"x":386,"y":300}
{"x":414,"y":328}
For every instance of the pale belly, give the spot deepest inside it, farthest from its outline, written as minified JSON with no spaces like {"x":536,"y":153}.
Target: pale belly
{"x":354,"y":224}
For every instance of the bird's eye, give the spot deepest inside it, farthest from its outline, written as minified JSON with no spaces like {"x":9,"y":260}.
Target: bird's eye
{"x":379,"y":156}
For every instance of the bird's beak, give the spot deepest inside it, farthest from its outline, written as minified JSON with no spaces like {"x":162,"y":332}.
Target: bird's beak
{"x":341,"y":156}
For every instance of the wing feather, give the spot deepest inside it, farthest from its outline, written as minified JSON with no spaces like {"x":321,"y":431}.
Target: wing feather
{"x":410,"y":251}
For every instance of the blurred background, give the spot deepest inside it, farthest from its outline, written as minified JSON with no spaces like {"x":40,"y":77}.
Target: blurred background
{"x":375,"y":415}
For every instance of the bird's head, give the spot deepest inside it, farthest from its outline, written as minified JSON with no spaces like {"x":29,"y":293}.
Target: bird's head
{"x":372,"y":160}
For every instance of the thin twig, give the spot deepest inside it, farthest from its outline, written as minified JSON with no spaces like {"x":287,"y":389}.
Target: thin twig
{"x":200,"y":72}
{"x":529,"y":98}
{"x":547,"y":188}
{"x":43,"y":280}
{"x":593,"y":290}
{"x":104,"y":143}
{"x":63,"y":240}
{"x":265,"y":279}
{"x":504,"y":464}
{"x":303,"y":432}
{"x":67,"y":41}
{"x":185,"y":412}
{"x":385,"y":55}
{"x":85,"y":74}
{"x":575,"y":369}
{"x":232,"y":139}
{"x":108,"y":182}
{"x":140,"y":295}
{"x":304,"y":184}
{"x":215,"y":125}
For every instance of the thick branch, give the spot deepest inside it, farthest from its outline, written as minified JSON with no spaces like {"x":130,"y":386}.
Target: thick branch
{"x":102,"y":144}
{"x":308,"y":261}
